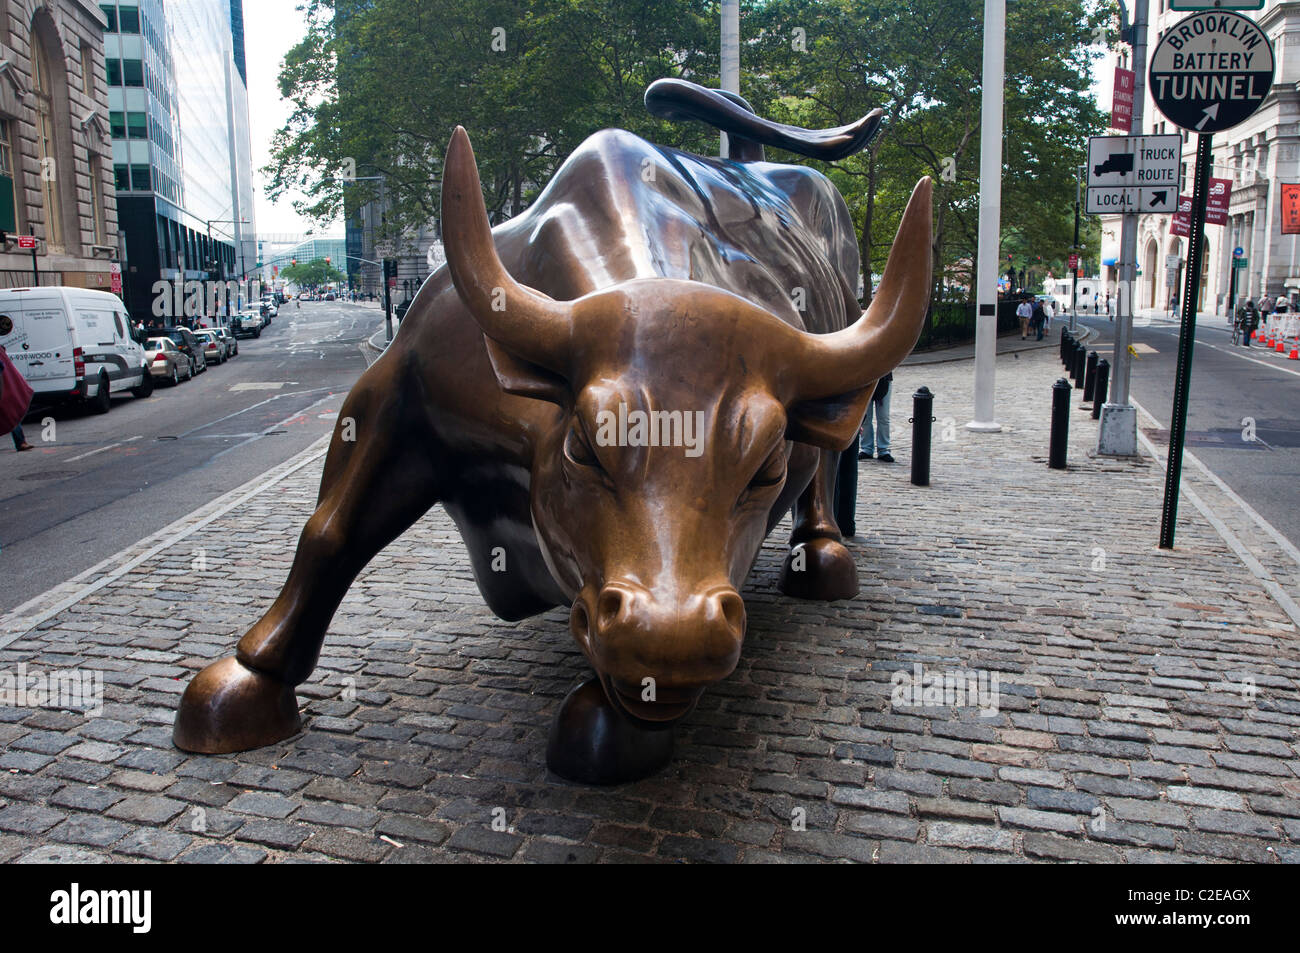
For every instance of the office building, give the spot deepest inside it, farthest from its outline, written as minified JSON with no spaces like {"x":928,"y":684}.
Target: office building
{"x":182,"y":154}
{"x":56,"y":163}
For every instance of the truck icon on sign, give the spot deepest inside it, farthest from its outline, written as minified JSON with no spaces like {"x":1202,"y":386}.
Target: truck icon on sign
{"x":1121,"y":162}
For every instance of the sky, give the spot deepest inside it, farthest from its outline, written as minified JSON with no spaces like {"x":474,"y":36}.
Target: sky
{"x":271,"y":27}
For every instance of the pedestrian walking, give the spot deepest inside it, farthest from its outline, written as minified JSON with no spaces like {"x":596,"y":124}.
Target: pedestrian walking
{"x":1096,"y":303}
{"x":1024,"y":312}
{"x":1037,"y":318}
{"x":873,"y":438}
{"x":1048,"y":313}
{"x":15,"y":393}
{"x":1108,"y":314}
{"x":1249,"y":323}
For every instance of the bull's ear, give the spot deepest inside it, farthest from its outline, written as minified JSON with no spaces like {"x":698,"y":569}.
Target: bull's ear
{"x":829,"y":422}
{"x":526,"y":379}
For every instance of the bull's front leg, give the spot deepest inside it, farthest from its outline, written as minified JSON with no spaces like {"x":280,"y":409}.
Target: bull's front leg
{"x":374,"y":487}
{"x":818,"y":565}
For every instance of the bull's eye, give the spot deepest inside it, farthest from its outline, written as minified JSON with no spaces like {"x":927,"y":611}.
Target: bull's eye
{"x":578,"y":450}
{"x":771,"y":473}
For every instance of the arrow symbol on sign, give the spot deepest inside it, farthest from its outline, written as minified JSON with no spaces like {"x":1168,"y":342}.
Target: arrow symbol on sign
{"x":1158,"y":198}
{"x":1211,"y":112}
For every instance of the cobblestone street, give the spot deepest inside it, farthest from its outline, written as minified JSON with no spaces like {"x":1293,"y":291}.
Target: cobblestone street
{"x":1147,"y":705}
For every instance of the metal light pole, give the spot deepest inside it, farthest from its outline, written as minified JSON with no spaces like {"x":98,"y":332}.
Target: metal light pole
{"x":730,"y":53}
{"x":1117,"y":434}
{"x":986,"y":287}
{"x":1079,"y":172}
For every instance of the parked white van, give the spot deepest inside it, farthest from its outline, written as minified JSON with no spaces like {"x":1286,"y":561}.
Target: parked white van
{"x":74,"y":344}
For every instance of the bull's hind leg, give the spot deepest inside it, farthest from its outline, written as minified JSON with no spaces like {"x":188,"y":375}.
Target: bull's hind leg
{"x":818,"y":565}
{"x":374,"y":487}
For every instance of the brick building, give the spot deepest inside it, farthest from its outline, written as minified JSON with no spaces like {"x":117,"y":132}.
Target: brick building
{"x":56,"y":161}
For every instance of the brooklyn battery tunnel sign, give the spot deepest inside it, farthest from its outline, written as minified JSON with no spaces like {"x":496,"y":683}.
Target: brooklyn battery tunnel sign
{"x":1211,"y":71}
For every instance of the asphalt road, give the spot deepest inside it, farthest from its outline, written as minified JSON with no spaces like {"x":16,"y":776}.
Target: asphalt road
{"x":1232,"y":387}
{"x":105,"y":482}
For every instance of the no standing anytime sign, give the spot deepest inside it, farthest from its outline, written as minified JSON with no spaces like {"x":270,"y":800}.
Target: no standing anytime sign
{"x":1211,"y":70}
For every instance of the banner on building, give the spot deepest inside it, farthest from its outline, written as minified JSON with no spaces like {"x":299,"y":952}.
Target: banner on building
{"x":1291,"y":208}
{"x":1216,"y":208}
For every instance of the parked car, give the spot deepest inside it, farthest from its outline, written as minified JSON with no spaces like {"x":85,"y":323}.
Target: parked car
{"x":184,"y":339}
{"x":214,"y":345}
{"x":247,"y":324}
{"x":74,"y":344}
{"x":232,"y":343}
{"x":329,"y":296}
{"x":167,"y":361}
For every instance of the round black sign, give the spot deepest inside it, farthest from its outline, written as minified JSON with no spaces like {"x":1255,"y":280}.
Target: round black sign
{"x":1211,"y":71}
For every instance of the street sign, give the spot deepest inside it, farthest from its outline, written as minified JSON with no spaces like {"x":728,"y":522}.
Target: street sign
{"x":1238,"y":252}
{"x":1240,"y":262}
{"x":1074,"y":261}
{"x":1173,"y":261}
{"x":1145,"y":161}
{"x":1185,"y":5}
{"x":1121,"y":103}
{"x":1210,"y":71}
{"x":1116,"y":201}
{"x":115,"y":271}
{"x":1133,"y":174}
{"x":26,"y":241}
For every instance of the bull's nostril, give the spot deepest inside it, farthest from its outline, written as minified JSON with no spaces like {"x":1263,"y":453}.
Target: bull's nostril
{"x":608,"y":607}
{"x":733,"y":609}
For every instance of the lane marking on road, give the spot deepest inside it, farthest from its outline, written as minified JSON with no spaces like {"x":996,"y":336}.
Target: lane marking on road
{"x":40,"y":609}
{"x":111,"y":446}
{"x":1280,"y":596}
{"x":1233,"y":351}
{"x":256,"y":385}
{"x":260,"y":403}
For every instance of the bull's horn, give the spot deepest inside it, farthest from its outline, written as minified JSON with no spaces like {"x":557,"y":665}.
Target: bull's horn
{"x":525,"y":322}
{"x":879,"y":340}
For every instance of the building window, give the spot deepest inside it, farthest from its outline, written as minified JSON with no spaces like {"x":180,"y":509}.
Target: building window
{"x":140,"y":178}
{"x":97,"y":201}
{"x":110,"y":14}
{"x":132,"y":73}
{"x":8,"y":194}
{"x":137,"y":126}
{"x":116,"y":124}
{"x":128,"y":19}
{"x":122,"y":177}
{"x":45,"y":144}
{"x":88,"y":69}
{"x":113,"y":68}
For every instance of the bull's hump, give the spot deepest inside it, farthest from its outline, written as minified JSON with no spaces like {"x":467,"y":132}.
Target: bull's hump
{"x":621,"y":208}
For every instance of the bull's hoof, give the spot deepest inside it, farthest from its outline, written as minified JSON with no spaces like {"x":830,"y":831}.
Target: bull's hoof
{"x":230,"y":707}
{"x":592,"y":743}
{"x":819,"y":568}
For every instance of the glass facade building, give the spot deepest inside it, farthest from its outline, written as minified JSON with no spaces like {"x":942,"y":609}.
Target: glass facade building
{"x":182,"y":152}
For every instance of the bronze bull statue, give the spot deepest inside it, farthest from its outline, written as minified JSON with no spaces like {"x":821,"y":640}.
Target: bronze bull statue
{"x":616,"y":395}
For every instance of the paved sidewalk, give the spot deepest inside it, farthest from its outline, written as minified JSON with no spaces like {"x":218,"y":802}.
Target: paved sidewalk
{"x":1147,"y":708}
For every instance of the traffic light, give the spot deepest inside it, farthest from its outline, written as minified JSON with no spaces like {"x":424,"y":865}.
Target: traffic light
{"x":293,"y":261}
{"x":327,"y":259}
{"x":390,"y":268}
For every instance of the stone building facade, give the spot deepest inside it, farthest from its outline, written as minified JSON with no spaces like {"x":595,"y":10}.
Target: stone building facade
{"x":1258,"y":156}
{"x":56,"y":162}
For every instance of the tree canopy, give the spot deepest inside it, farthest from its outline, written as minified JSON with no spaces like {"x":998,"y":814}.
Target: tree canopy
{"x":312,"y":274}
{"x":378,"y":86}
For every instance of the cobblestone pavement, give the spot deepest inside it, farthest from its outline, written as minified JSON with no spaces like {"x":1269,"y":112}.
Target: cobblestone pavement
{"x":1147,"y":706}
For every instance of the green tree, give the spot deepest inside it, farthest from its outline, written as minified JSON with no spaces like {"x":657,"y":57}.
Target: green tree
{"x":312,"y":274}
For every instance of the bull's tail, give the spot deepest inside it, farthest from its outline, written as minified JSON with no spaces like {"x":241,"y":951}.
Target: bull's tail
{"x":747,"y":133}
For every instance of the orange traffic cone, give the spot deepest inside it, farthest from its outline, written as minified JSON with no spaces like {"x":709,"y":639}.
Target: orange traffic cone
{"x":1295,"y":353}
{"x":1281,"y":346}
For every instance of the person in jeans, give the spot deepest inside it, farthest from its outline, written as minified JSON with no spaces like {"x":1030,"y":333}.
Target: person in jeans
{"x":873,"y":440}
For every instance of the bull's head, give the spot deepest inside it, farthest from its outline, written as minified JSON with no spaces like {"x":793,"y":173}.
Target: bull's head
{"x":654,"y":540}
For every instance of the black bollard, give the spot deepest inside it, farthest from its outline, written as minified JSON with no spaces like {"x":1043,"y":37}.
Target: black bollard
{"x":1065,"y":337}
{"x":1100,"y":387}
{"x":922,"y":417}
{"x":1067,"y":348}
{"x":1060,"y":424}
{"x":1080,"y":357}
{"x":1089,"y":377}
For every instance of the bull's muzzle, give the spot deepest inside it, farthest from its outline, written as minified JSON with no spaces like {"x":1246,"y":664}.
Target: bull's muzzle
{"x":655,"y":657}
